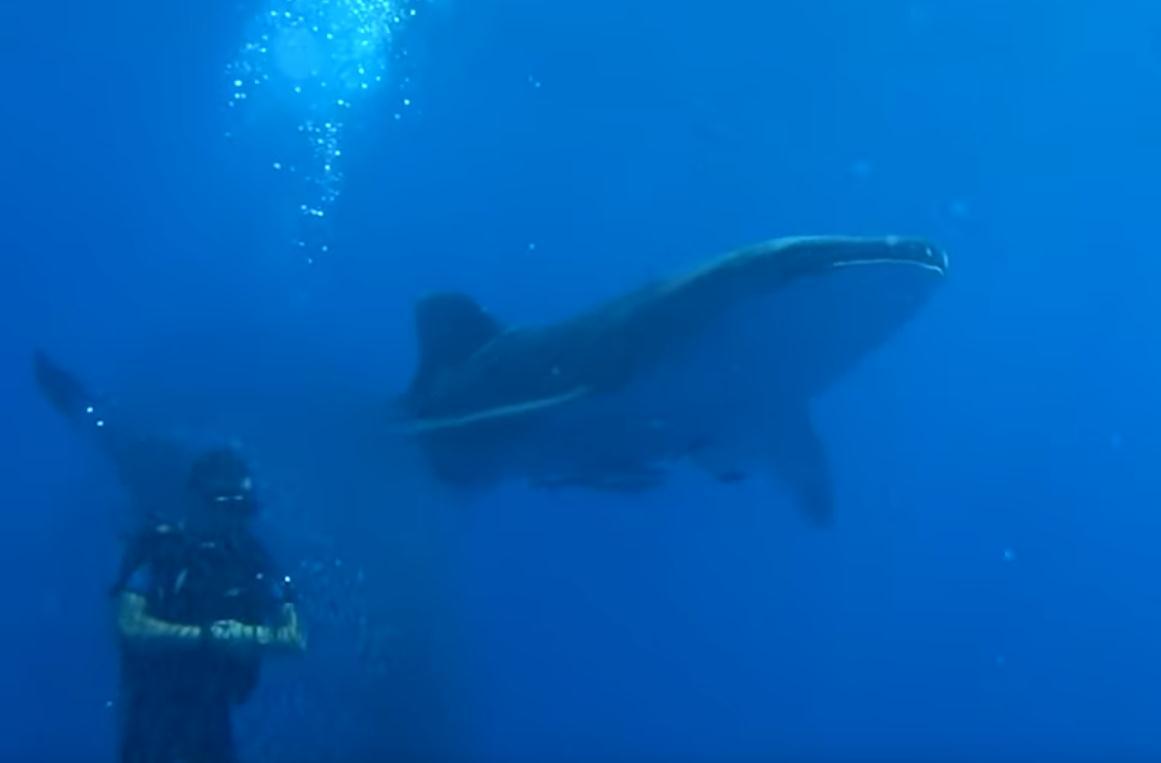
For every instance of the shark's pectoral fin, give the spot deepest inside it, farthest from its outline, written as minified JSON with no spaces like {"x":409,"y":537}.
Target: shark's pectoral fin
{"x":800,"y":462}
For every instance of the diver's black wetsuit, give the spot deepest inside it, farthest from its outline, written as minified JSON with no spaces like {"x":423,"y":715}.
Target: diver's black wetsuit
{"x":175,"y":704}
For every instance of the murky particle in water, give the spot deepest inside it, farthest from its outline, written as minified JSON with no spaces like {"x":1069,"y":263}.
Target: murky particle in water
{"x":406,"y":101}
{"x":278,"y":165}
{"x":532,"y":247}
{"x":237,"y":83}
{"x":88,"y":409}
{"x":100,"y":422}
{"x":1009,"y":555}
{"x":861,"y":169}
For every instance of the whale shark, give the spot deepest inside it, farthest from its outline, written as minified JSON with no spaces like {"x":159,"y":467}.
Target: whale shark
{"x":716,"y":367}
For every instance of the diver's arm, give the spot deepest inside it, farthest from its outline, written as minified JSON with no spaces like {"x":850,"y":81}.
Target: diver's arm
{"x":286,"y":637}
{"x":139,"y":629}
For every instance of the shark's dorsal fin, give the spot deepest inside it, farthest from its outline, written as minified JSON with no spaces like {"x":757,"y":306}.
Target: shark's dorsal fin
{"x":449,"y":327}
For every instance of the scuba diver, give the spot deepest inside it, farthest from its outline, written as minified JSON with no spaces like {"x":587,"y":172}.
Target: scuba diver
{"x":198,"y":600}
{"x":198,"y":605}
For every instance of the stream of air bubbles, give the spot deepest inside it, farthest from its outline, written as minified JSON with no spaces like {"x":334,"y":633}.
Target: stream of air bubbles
{"x":312,"y":62}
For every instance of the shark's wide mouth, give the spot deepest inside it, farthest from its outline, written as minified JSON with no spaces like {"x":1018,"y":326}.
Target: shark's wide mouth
{"x":841,"y":298}
{"x":807,"y":255}
{"x":940,"y":268}
{"x":892,"y":250}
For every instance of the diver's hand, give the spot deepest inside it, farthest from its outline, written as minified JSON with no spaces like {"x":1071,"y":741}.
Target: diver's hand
{"x":243,"y":639}
{"x":289,"y":636}
{"x":234,"y":636}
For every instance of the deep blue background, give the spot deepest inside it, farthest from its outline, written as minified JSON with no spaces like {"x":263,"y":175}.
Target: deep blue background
{"x":990,"y":588}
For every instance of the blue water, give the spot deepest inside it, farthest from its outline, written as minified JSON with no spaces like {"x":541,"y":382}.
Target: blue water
{"x":989,"y":590}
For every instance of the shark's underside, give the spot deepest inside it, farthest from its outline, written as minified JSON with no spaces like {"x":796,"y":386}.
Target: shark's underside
{"x":716,"y":366}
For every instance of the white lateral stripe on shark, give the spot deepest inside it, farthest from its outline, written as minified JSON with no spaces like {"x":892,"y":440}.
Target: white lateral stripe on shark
{"x":500,"y":412}
{"x":891,"y":261}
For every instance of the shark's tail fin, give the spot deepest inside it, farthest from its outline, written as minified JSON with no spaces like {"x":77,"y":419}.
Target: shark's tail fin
{"x":63,"y":390}
{"x":152,"y":469}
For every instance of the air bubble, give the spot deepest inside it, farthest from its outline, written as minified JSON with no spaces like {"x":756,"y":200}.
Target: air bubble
{"x":327,"y":48}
